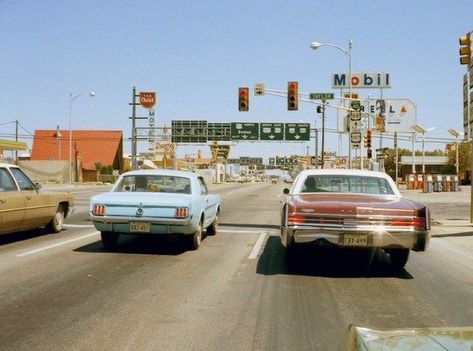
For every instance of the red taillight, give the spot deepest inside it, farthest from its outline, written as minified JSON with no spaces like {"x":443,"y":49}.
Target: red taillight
{"x":295,"y":218}
{"x":181,"y":212}
{"x":416,"y":222}
{"x":98,"y":210}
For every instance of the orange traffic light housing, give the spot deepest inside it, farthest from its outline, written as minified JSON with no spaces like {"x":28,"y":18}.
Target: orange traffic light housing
{"x":243,"y":99}
{"x":292,"y":96}
{"x":465,"y":49}
{"x":368,"y":139}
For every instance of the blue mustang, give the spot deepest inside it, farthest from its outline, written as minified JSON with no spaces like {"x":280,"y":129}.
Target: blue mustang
{"x":156,"y":202}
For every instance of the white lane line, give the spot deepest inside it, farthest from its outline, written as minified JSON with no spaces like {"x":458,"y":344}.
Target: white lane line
{"x":57,"y":244}
{"x":78,"y":225}
{"x":257,"y":248}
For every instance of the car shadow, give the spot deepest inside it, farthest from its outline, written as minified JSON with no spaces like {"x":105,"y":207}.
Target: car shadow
{"x":248,"y":225}
{"x":146,"y":245}
{"x":10,"y":238}
{"x":313,"y":260}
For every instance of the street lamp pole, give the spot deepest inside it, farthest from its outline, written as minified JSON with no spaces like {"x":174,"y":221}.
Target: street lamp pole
{"x":456,"y":134}
{"x":71,"y":100}
{"x":315,"y":45}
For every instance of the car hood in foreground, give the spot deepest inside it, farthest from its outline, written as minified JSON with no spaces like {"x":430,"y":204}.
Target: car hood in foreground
{"x":404,"y":339}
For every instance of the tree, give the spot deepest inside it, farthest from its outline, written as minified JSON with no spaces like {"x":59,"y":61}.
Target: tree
{"x":464,"y":157}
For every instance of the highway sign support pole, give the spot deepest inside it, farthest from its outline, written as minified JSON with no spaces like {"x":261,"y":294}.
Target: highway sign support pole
{"x":133,"y":129}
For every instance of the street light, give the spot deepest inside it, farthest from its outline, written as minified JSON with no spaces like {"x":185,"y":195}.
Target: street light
{"x":456,"y":134}
{"x":315,"y":45}
{"x":419,"y":129}
{"x":71,"y":100}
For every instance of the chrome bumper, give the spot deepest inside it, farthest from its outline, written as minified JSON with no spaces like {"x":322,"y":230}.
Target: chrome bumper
{"x":151,"y":220}
{"x":382,"y":237}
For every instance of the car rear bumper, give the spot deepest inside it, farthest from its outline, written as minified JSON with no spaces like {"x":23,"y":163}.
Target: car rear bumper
{"x":156,"y":226}
{"x":415,"y":239}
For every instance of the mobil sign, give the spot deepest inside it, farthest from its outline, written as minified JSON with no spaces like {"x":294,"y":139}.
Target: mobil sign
{"x":376,"y":80}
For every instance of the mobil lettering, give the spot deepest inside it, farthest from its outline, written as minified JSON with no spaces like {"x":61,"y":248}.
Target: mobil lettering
{"x":361,"y":80}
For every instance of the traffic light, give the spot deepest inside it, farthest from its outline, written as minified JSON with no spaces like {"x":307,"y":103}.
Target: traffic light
{"x":319,"y":109}
{"x":243,"y":96}
{"x":292,"y":96}
{"x":368,"y":139}
{"x":465,"y":49}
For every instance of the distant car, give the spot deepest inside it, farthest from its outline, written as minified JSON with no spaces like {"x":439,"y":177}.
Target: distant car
{"x":145,"y":202}
{"x":353,"y":208}
{"x":288,"y":180}
{"x":23,"y":206}
{"x":274,"y":181}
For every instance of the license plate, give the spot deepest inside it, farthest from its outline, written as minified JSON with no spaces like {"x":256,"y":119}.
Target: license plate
{"x":139,"y":227}
{"x":354,"y":240}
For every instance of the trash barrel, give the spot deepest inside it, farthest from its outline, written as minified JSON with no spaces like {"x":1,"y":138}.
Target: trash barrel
{"x":428,"y":183}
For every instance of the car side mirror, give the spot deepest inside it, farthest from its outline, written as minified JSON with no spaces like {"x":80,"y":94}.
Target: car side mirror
{"x":38,"y":186}
{"x":286,"y":191}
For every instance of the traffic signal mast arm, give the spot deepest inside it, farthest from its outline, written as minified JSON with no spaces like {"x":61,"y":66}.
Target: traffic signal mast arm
{"x":283,"y":94}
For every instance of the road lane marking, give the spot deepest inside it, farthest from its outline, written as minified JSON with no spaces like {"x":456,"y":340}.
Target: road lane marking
{"x":257,"y":248}
{"x":57,"y":244}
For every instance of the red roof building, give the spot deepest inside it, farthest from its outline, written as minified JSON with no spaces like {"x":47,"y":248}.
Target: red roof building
{"x":89,"y":147}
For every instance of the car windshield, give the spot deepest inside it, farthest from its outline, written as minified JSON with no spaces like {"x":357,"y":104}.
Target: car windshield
{"x":345,"y":184}
{"x":154,"y":183}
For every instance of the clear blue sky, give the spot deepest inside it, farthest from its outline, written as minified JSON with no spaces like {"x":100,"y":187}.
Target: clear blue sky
{"x":195,"y":54}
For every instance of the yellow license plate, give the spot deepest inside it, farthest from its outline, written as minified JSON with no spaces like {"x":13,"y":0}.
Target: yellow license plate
{"x":139,"y":227}
{"x":354,"y":240}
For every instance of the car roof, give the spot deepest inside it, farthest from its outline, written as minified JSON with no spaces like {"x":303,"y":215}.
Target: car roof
{"x":341,"y":171}
{"x":167,"y":172}
{"x":3,"y":164}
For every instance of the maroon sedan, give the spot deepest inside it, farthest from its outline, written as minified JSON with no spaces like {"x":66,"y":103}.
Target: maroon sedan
{"x":353,"y":208}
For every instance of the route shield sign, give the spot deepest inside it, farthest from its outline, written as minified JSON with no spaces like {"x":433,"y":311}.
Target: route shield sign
{"x":248,"y":131}
{"x":271,"y":131}
{"x":297,"y":131}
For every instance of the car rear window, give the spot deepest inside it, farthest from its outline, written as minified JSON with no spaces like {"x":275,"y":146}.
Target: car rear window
{"x":346,"y":184}
{"x":154,"y":183}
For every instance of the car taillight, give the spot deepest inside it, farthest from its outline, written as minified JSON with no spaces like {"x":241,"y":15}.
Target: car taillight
{"x":295,"y":218}
{"x":416,"y":222}
{"x":98,"y":210}
{"x":181,"y":212}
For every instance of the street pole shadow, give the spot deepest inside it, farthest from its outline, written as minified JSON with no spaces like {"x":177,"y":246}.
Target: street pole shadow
{"x":317,"y":261}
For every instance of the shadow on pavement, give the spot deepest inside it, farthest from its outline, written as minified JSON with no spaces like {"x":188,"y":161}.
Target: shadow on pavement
{"x":312,"y":260}
{"x":147,"y":245}
{"x":6,"y":239}
{"x":247,"y":225}
{"x":452,"y":235}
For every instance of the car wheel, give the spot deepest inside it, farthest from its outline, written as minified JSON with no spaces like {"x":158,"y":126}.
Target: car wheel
{"x":109,"y":240}
{"x":57,"y":222}
{"x":213,"y":228}
{"x":399,"y":257}
{"x":196,"y":238}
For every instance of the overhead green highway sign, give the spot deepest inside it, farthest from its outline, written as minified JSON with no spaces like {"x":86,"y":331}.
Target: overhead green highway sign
{"x":246,"y":131}
{"x":271,"y":131}
{"x":189,"y":131}
{"x":297,"y":132}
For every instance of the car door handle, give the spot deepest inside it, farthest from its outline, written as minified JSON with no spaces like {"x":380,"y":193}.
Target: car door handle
{"x":2,"y":201}
{"x":28,"y":197}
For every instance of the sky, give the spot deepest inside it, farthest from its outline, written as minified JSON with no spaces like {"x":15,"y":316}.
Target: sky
{"x":195,"y":55}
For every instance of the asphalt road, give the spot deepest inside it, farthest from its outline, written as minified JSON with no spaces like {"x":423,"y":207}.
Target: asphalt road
{"x":63,"y":292}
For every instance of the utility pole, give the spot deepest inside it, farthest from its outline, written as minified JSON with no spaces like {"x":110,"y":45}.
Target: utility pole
{"x":133,"y":129}
{"x":16,"y":139}
{"x":323,"y":134}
